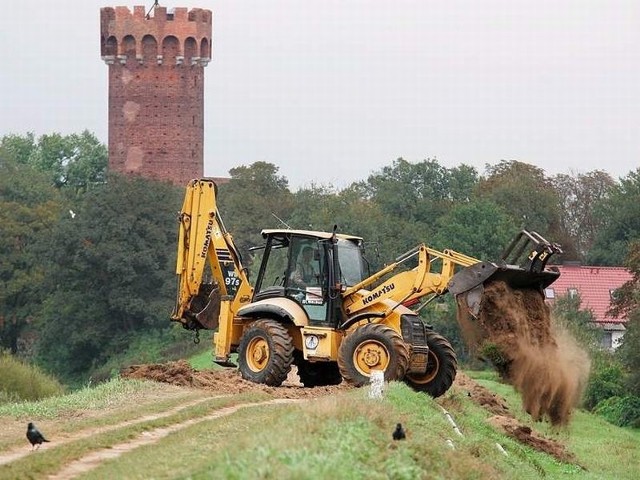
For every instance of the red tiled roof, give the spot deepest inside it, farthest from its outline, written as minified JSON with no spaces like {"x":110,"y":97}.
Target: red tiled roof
{"x":594,"y":285}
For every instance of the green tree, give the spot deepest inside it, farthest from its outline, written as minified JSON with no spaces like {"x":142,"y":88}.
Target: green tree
{"x":606,"y":375}
{"x":75,"y":162}
{"x":110,"y":274}
{"x":619,"y":213}
{"x":528,"y":196}
{"x":419,"y":192}
{"x":579,"y":323}
{"x":462,"y":183}
{"x":626,"y":304}
{"x":385,"y":235}
{"x":254,"y":199}
{"x":18,"y":147}
{"x":29,"y":208}
{"x":579,"y":195}
{"x":479,"y":229}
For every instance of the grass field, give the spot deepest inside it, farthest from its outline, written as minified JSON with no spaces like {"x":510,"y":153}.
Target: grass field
{"x":347,"y":435}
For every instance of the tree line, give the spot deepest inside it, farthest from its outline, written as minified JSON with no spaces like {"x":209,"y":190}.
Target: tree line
{"x":87,"y":258}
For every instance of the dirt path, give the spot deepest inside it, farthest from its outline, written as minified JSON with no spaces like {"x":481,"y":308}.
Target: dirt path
{"x":94,"y":459}
{"x":18,"y":453}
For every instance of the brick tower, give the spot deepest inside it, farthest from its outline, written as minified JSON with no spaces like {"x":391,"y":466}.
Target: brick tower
{"x":156,"y":89}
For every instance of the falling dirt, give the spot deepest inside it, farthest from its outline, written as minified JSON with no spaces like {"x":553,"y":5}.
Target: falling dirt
{"x":225,"y":381}
{"x":514,"y":330}
{"x":504,"y":420}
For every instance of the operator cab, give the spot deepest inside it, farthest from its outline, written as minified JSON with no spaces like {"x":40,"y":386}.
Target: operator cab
{"x":310,"y":268}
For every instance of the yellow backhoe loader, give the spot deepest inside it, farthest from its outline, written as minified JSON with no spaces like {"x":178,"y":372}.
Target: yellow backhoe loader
{"x":314,"y":306}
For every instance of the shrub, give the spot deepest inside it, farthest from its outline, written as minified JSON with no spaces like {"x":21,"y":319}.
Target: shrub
{"x":21,"y":381}
{"x":605,"y":382}
{"x":621,"y":411}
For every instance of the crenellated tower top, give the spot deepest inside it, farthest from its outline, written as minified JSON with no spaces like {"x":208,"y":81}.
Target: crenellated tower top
{"x":156,"y":66}
{"x":177,"y":37}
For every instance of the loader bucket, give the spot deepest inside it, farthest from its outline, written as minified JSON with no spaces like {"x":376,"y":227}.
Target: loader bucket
{"x":470,"y":281}
{"x":522,"y":266}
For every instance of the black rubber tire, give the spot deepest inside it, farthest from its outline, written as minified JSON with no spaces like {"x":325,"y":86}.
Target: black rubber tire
{"x":318,"y":374}
{"x":265,"y":353}
{"x":442,"y":366}
{"x":372,"y":346}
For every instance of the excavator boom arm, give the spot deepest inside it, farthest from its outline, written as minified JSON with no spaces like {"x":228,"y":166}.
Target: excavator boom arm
{"x":410,"y":284}
{"x":203,"y":240}
{"x":458,"y":273}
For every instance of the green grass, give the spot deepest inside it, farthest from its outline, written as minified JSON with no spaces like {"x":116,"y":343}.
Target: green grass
{"x":606,"y":451}
{"x":91,"y":407}
{"x":344,"y":435}
{"x":333,"y":437}
{"x":21,"y":381}
{"x":102,"y":396}
{"x":349,"y":436}
{"x":54,"y":459}
{"x":204,"y":360}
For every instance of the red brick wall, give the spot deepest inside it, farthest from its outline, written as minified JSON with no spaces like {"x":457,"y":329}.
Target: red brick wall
{"x":156,"y":90}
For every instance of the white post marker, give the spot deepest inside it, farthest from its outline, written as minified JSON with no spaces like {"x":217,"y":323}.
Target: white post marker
{"x":377,"y":384}
{"x":502,"y":450}
{"x":451,"y":421}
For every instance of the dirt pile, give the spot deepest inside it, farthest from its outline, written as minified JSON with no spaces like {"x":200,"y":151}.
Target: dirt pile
{"x":482,"y":396}
{"x":514,"y":330}
{"x":222,"y":382}
{"x":504,"y":420}
{"x":527,"y":436}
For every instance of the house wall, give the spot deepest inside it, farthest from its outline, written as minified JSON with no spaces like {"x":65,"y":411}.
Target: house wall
{"x":616,"y":339}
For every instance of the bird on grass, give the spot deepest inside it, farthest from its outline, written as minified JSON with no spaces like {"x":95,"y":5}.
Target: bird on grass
{"x":398,"y":433}
{"x":34,"y":436}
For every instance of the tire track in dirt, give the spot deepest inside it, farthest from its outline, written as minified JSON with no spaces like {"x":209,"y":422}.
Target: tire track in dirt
{"x":16,"y":454}
{"x":94,"y":459}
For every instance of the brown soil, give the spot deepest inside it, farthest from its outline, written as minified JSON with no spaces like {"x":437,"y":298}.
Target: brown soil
{"x":225,"y":381}
{"x":527,"y":436}
{"x":514,"y":329}
{"x":482,"y":396}
{"x":505,"y":421}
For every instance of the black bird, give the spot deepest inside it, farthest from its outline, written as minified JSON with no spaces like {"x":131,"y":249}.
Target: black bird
{"x":398,"y":433}
{"x":34,"y":436}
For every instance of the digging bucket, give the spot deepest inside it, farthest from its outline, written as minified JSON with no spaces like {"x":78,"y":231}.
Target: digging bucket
{"x":522,"y":266}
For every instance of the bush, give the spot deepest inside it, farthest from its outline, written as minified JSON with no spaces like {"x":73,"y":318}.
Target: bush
{"x":605,"y":382}
{"x":621,"y":411}
{"x":20,"y":381}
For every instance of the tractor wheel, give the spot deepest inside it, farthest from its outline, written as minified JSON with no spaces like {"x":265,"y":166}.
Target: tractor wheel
{"x":265,"y":353}
{"x":318,"y":374}
{"x":372,"y":347}
{"x":442,"y":365}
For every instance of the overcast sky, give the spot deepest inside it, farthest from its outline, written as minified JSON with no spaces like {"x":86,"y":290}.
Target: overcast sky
{"x":331,"y":91}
